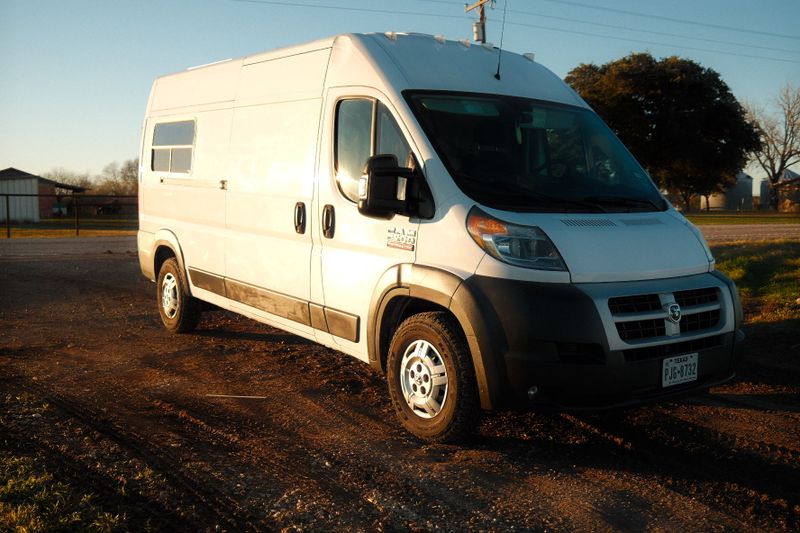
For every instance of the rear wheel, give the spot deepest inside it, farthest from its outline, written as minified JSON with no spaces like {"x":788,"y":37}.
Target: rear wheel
{"x":179,"y":312}
{"x":431,"y":378}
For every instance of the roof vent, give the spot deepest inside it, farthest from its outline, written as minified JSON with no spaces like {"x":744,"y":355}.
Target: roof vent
{"x":391,"y":35}
{"x":440,"y":39}
{"x":465,"y":43}
{"x":530,"y":56}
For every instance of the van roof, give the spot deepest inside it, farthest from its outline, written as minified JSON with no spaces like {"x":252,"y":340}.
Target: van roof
{"x":434,"y":63}
{"x":392,"y":61}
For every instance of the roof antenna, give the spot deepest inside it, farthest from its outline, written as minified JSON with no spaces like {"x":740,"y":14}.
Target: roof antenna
{"x":502,"y":34}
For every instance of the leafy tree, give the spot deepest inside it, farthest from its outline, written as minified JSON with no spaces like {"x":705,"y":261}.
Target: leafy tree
{"x":780,"y":138}
{"x":679,"y":119}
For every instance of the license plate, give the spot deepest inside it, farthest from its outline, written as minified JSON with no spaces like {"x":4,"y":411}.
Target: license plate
{"x":679,"y":369}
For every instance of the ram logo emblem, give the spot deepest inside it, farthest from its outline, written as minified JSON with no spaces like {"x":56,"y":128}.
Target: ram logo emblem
{"x":674,"y":313}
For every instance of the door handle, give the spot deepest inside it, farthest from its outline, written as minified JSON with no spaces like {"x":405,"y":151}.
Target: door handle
{"x":328,"y":221}
{"x":223,"y":184}
{"x":300,"y":217}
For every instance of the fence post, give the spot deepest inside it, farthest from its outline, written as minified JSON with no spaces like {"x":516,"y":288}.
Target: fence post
{"x":8,"y":216}
{"x":77,"y":206}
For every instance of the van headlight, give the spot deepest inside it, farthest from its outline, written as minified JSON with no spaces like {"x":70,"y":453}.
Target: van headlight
{"x":522,"y":246}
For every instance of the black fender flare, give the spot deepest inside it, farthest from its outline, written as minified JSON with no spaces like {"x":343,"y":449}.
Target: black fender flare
{"x":473,"y":311}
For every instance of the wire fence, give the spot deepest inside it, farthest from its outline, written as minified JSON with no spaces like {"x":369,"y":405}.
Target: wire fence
{"x":53,"y":215}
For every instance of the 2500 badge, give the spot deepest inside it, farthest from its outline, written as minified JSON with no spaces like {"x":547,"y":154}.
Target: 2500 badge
{"x":402,"y":238}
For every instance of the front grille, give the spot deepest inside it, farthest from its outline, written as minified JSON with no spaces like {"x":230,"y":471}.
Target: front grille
{"x":634,"y":304}
{"x":677,"y":348}
{"x":700,"y":321}
{"x":644,"y":316}
{"x":641,"y":329}
{"x":696,"y":297}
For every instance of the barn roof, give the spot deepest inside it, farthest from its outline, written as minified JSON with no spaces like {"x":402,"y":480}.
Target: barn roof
{"x":11,"y":174}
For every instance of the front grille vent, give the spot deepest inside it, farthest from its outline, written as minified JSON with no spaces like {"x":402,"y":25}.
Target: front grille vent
{"x":644,"y":316}
{"x":634,"y":304}
{"x":700,"y":321}
{"x":696,"y":297}
{"x":641,"y":329}
{"x":588,"y":222}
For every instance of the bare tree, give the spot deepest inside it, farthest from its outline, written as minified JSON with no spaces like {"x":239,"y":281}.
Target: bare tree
{"x":68,"y":177}
{"x":119,"y":179}
{"x":779,"y":132}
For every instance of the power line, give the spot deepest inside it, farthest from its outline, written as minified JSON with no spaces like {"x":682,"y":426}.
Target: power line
{"x":656,"y":43}
{"x":652,"y":32}
{"x":546,"y":28}
{"x":670,"y":19}
{"x":356,"y":9}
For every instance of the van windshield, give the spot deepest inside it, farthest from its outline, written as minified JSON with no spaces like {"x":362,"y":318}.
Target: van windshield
{"x":518,"y":154}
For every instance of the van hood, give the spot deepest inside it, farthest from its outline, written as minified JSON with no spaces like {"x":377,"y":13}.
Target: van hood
{"x":627,"y":246}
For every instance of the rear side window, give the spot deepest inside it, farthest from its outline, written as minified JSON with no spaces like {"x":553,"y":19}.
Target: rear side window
{"x":173,"y":143}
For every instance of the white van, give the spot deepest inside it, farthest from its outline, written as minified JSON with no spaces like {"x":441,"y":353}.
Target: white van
{"x":483,"y":239}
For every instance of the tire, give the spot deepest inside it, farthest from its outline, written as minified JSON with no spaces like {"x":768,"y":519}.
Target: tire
{"x":431,"y":378}
{"x":179,"y":311}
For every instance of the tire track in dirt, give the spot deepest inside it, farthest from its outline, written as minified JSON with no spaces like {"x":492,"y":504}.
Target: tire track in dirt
{"x":222,"y":506}
{"x":322,"y":450}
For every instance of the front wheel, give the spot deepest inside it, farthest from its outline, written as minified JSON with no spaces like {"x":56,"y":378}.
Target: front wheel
{"x":431,"y":378}
{"x":179,"y":311}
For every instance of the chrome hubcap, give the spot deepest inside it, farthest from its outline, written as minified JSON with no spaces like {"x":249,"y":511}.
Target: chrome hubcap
{"x":423,"y":378}
{"x":169,"y":295}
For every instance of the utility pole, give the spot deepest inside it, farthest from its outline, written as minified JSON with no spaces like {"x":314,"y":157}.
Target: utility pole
{"x":479,"y":27}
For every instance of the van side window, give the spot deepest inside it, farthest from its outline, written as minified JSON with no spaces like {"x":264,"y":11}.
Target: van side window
{"x":390,"y":139}
{"x":353,"y":143}
{"x":364,"y":127}
{"x":172,"y":147}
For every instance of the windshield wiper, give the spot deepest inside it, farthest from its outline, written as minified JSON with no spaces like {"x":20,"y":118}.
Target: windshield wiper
{"x":545,"y":200}
{"x":503,"y":191}
{"x":623,"y":201}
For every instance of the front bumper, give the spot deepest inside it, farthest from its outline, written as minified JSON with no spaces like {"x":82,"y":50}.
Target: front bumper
{"x":565,"y":342}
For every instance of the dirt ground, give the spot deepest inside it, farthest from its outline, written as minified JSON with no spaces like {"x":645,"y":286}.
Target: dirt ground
{"x":140,"y":418}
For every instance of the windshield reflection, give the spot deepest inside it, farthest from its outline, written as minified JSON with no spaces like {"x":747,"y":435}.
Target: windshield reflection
{"x":518,"y":154}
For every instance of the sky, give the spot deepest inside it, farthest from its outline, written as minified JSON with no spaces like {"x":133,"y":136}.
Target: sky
{"x":75,"y":75}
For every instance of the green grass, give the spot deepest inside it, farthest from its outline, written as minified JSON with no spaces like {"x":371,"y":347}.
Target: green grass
{"x":767,"y":275}
{"x":33,"y":498}
{"x":89,"y":226}
{"x":743,"y":218}
{"x":37,"y":233}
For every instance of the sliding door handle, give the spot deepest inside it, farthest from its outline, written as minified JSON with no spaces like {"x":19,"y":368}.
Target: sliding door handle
{"x":328,"y":221}
{"x":300,"y":217}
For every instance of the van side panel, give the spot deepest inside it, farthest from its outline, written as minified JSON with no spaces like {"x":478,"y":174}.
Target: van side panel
{"x":191,"y":205}
{"x":270,"y":171}
{"x":202,"y":86}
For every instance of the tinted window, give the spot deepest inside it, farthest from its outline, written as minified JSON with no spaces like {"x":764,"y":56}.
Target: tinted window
{"x":390,"y":138}
{"x":174,"y":133}
{"x":519,"y":154}
{"x":353,"y":143}
{"x":181,"y":160}
{"x":173,"y":143}
{"x":363,"y":131}
{"x":161,"y":160}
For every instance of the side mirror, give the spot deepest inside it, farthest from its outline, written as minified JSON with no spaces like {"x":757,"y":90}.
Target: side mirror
{"x":383,"y":190}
